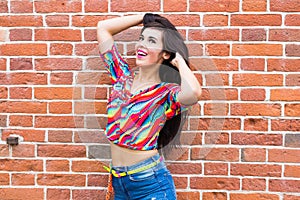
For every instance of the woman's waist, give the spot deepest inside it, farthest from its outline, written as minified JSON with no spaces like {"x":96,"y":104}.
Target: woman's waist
{"x":122,"y":156}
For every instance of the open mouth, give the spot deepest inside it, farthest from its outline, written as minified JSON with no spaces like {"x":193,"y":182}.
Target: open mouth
{"x":141,"y":53}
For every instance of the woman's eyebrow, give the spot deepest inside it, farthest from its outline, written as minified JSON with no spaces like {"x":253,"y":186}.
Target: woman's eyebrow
{"x":151,"y":37}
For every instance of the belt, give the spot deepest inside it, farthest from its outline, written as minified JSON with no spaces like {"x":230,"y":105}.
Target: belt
{"x":140,"y":169}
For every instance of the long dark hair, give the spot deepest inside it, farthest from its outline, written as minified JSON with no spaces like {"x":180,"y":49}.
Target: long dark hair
{"x":172,"y":43}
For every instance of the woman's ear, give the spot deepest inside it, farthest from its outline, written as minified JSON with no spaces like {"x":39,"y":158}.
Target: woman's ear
{"x":166,"y":55}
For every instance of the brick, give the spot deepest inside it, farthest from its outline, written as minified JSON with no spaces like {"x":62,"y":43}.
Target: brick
{"x":23,"y":179}
{"x":172,"y":6}
{"x":255,"y":20}
{"x":49,"y":6}
{"x":61,"y":179}
{"x":98,"y":180}
{"x":95,"y":93}
{"x":253,"y":155}
{"x":62,"y":93}
{"x":214,"y":6}
{"x":93,"y":78}
{"x":4,"y":179}
{"x":292,"y":50}
{"x":4,"y":150}
{"x":87,"y":194}
{"x":94,"y":64}
{"x":54,"y":194}
{"x":177,"y":20}
{"x":95,"y":6}
{"x":91,"y":136}
{"x":58,"y":64}
{"x":66,"y":151}
{"x":282,"y":185}
{"x":188,"y":195}
{"x":21,"y":20}
{"x":3,"y":92}
{"x":292,"y":140}
{"x":60,"y":136}
{"x":23,"y":150}
{"x":20,"y":93}
{"x":57,"y":165}
{"x":253,"y":94}
{"x":180,"y":182}
{"x":254,"y":184}
{"x":23,"y":78}
{"x":211,"y":20}
{"x":253,"y":124}
{"x":220,"y":154}
{"x":284,"y":6}
{"x":129,"y":35}
{"x":22,"y":193}
{"x":215,"y":169}
{"x":21,"y":64}
{"x":254,"y":35}
{"x":292,"y":171}
{"x":257,"y":5}
{"x":89,"y":20}
{"x":265,"y":170}
{"x":20,"y":35}
{"x":3,"y":122}
{"x":216,"y":79}
{"x":256,"y":139}
{"x":21,"y":6}
{"x":214,"y":35}
{"x":61,"y":49}
{"x":284,"y":35}
{"x":90,"y":35}
{"x":291,"y":197}
{"x":87,"y":166}
{"x":216,"y":138}
{"x":215,"y":124}
{"x":57,"y":35}
{"x":215,"y":64}
{"x":20,"y":120}
{"x":285,"y":125}
{"x":23,"y":107}
{"x":3,"y":7}
{"x":135,"y":6}
{"x":284,"y":156}
{"x":257,"y":80}
{"x":235,"y":196}
{"x":61,"y":78}
{"x":29,"y":135}
{"x":60,"y":107}
{"x":183,"y":168}
{"x":257,"y":50}
{"x":255,"y":109}
{"x":86,"y":49}
{"x":2,"y":64}
{"x":211,"y":183}
{"x":292,"y":110}
{"x":21,"y":165}
{"x":217,"y":49}
{"x":90,"y":107}
{"x":284,"y":65}
{"x":57,"y":20}
{"x":292,"y":20}
{"x":23,"y":49}
{"x":285,"y":95}
{"x":58,"y":122}
{"x":216,"y":109}
{"x":292,"y":80}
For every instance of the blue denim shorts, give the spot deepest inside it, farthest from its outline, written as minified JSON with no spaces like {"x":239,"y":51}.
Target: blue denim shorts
{"x":155,"y":183}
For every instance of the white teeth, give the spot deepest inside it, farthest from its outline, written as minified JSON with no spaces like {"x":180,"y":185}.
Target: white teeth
{"x":141,"y":53}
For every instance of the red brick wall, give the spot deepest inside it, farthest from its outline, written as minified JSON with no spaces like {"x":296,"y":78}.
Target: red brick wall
{"x":241,"y":141}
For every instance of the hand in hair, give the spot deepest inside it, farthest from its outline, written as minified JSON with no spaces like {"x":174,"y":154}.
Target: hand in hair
{"x":178,"y":60}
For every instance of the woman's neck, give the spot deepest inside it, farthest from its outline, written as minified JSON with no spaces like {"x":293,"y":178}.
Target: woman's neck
{"x":148,"y":74}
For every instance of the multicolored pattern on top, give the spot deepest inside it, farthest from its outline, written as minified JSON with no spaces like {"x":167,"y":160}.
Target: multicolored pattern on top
{"x":135,"y":120}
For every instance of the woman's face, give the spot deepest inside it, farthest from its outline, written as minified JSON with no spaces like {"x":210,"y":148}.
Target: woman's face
{"x":149,"y":47}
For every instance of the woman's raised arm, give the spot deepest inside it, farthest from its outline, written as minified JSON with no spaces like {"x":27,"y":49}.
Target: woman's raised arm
{"x":107,"y":28}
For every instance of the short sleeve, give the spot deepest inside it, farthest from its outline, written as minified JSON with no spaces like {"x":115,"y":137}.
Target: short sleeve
{"x":174,"y":107}
{"x":115,"y":64}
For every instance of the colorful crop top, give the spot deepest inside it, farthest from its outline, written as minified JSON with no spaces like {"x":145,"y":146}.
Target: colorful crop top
{"x":135,"y":120}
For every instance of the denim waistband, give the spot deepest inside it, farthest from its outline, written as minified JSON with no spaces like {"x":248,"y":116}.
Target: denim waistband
{"x":138,"y":165}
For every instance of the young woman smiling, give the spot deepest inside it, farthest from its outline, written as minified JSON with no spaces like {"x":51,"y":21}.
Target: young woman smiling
{"x":145,"y":111}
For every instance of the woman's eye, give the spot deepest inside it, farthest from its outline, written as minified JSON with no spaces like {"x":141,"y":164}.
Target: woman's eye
{"x":141,"y":38}
{"x":152,"y":41}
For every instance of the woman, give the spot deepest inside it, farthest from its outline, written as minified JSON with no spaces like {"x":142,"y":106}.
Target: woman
{"x":145,"y":110}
